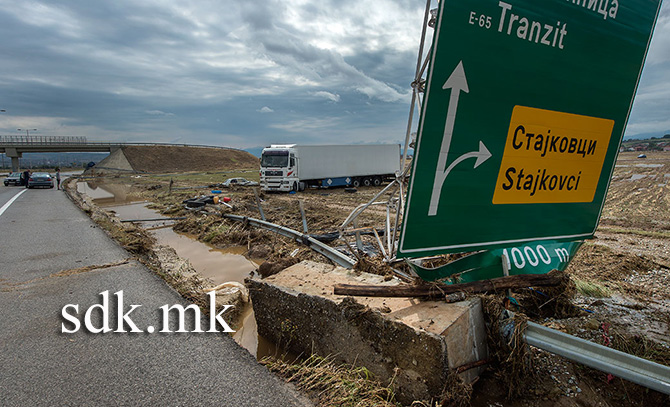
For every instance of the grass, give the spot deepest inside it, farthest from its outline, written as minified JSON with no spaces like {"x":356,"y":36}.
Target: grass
{"x":642,"y":347}
{"x":332,"y":384}
{"x":222,"y":228}
{"x":637,"y":232}
{"x":205,"y":178}
{"x":592,"y":289}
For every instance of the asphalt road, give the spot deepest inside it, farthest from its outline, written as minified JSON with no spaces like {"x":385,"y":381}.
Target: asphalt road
{"x":43,"y":234}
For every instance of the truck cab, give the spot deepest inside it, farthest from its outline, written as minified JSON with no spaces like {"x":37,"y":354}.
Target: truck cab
{"x":279,"y":170}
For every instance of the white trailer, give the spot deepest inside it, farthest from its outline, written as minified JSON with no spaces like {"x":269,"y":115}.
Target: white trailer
{"x":292,"y":167}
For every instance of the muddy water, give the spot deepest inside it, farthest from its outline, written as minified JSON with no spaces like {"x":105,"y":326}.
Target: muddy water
{"x":104,"y":194}
{"x":218,"y":265}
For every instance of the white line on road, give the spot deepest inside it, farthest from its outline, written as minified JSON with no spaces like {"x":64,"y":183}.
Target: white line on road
{"x":11,"y":201}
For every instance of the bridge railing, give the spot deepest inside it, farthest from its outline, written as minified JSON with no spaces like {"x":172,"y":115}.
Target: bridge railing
{"x":42,"y":140}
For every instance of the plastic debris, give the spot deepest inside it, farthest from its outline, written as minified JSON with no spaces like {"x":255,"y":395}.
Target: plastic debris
{"x":200,"y":201}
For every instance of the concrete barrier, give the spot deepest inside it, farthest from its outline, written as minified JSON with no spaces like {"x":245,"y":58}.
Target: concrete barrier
{"x":413,"y":344}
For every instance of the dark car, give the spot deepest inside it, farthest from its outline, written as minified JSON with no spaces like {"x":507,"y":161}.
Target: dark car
{"x":13,"y":179}
{"x":40,"y":179}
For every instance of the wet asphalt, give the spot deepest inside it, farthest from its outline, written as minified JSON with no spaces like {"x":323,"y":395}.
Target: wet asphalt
{"x":43,"y":235}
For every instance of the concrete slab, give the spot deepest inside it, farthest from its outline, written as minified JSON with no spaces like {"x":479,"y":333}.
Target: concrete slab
{"x":410,"y":342}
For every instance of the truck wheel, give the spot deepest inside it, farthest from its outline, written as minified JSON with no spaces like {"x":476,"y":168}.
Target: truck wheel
{"x":367,"y":181}
{"x":376,"y":181}
{"x":356,"y":183}
{"x":294,"y":188}
{"x":301,"y":186}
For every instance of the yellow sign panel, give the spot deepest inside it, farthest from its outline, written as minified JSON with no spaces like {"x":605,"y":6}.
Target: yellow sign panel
{"x":551,"y":157}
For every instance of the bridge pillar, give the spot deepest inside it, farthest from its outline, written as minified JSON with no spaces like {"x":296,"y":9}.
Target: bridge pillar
{"x":15,"y":164}
{"x":14,"y":155}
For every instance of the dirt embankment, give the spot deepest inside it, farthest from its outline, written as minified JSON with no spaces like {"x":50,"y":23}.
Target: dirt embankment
{"x":639,"y":193}
{"x":162,"y":159}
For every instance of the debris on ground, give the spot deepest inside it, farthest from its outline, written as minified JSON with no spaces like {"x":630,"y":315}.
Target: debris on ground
{"x":621,"y":278}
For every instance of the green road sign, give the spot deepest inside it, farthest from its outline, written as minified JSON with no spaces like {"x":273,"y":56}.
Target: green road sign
{"x":531,"y":258}
{"x":525,"y":107}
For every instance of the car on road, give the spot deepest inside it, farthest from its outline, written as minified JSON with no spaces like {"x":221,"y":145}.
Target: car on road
{"x":40,"y":179}
{"x":239,"y":182}
{"x":13,"y":179}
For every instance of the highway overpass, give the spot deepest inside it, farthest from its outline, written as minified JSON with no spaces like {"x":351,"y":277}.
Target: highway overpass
{"x":15,"y":146}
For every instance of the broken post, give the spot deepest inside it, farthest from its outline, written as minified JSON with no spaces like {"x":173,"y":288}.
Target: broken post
{"x":438,"y":290}
{"x":304,"y":219}
{"x":258,"y":203}
{"x":359,"y":242}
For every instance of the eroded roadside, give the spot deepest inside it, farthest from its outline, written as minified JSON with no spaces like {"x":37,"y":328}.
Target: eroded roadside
{"x":163,"y":260}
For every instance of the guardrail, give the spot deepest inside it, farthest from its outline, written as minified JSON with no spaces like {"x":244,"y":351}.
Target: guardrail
{"x":317,"y":246}
{"x":620,"y":364}
{"x":43,"y":140}
{"x":10,"y":140}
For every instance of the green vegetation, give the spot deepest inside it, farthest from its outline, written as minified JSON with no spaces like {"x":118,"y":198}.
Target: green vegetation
{"x":592,"y":289}
{"x":206,"y":178}
{"x":648,"y":233}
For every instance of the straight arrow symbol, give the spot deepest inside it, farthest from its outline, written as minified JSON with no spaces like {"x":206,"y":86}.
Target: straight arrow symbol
{"x":458,"y":83}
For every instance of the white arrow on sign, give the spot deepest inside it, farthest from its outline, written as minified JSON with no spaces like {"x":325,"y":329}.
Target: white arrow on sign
{"x":458,"y":83}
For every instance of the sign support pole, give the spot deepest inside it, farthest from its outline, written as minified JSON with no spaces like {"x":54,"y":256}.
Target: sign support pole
{"x":396,"y":198}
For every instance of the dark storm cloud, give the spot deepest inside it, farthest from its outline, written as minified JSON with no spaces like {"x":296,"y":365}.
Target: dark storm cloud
{"x":76,"y":66}
{"x":229,"y":73}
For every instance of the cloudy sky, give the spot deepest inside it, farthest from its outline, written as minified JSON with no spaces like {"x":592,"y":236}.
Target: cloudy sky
{"x":234,"y":73}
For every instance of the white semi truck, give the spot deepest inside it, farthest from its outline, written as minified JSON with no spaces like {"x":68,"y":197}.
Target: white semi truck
{"x":292,"y":167}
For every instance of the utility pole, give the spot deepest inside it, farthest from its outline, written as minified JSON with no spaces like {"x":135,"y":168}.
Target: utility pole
{"x":27,"y":132}
{"x":3,"y":154}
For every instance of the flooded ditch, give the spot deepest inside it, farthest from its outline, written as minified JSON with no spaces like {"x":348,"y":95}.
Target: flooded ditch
{"x":217,"y":265}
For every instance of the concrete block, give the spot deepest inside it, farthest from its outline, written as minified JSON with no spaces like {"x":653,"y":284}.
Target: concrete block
{"x":409,"y":342}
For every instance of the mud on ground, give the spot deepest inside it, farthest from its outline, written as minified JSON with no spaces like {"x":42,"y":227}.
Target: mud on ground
{"x":622,"y":290}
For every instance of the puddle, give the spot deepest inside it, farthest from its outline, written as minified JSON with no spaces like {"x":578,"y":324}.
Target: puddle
{"x":248,"y":338}
{"x":219,"y":265}
{"x":128,"y":211}
{"x":636,"y":177}
{"x":648,"y":165}
{"x":105,"y":194}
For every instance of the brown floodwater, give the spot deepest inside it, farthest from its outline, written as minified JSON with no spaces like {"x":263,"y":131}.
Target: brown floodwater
{"x":104,"y":194}
{"x":218,"y":265}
